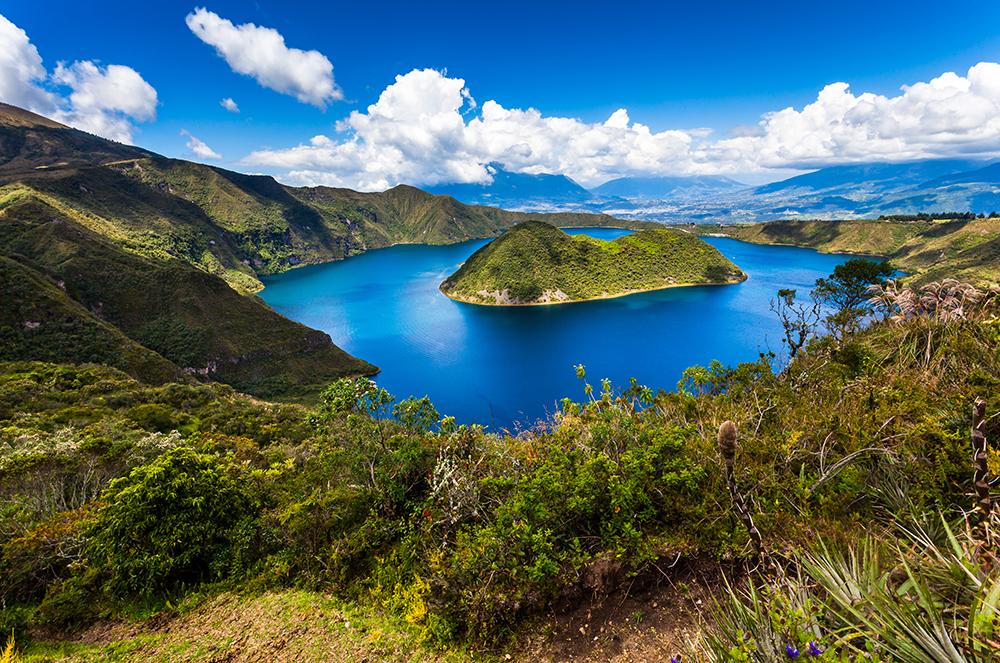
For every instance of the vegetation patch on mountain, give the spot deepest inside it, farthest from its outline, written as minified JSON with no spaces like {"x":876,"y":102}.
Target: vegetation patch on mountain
{"x":536,"y":263}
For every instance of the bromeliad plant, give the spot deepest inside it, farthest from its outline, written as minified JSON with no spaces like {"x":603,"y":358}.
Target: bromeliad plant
{"x":915,"y":601}
{"x":928,"y":313}
{"x":911,"y":590}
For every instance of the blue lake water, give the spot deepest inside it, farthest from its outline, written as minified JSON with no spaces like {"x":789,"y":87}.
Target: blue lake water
{"x":508,"y":367}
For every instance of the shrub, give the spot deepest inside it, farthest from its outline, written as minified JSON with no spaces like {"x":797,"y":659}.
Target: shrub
{"x":170,"y":522}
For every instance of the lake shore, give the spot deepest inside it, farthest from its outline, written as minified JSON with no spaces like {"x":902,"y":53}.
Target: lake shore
{"x":589,"y":299}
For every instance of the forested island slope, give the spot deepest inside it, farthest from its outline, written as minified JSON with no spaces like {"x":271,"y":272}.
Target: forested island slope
{"x":535,"y":263}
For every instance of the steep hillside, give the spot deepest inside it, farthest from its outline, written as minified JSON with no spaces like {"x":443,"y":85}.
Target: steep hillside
{"x":32,"y":143}
{"x":535,"y":263}
{"x":40,"y":320}
{"x":401,"y":215}
{"x":964,"y":249}
{"x":182,"y":314}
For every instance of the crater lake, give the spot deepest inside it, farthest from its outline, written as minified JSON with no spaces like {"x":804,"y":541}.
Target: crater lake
{"x":508,"y":367}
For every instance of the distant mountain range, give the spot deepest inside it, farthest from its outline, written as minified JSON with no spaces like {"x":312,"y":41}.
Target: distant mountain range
{"x":861,"y":190}
{"x":881,"y":177}
{"x":518,"y":190}
{"x":653,"y":188}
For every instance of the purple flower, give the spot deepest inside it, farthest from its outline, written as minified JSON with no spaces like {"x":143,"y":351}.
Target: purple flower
{"x":676,"y":659}
{"x":814,"y":649}
{"x":791,"y":651}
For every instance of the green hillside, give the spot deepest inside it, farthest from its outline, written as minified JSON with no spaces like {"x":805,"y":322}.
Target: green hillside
{"x":965,"y":249}
{"x":536,"y":263}
{"x":176,"y":312}
{"x":39,"y":319}
{"x":185,"y":521}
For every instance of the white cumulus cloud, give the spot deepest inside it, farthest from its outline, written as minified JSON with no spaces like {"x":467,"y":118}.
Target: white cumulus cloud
{"x":198,"y":147}
{"x":229,"y":105}
{"x":21,"y":70}
{"x":261,"y":53}
{"x":104,"y":100}
{"x":950,"y":115}
{"x":425,"y":128}
{"x":417,"y":133}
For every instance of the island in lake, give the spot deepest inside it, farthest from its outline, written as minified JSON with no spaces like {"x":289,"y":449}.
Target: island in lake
{"x":536,"y":263}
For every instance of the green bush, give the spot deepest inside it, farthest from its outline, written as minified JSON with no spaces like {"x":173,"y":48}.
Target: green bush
{"x":170,"y":522}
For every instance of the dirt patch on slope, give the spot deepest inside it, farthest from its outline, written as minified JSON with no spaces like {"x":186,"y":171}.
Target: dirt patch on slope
{"x":651,"y":618}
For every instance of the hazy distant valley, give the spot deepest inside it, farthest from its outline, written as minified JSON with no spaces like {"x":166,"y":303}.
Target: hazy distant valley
{"x":837,"y":192}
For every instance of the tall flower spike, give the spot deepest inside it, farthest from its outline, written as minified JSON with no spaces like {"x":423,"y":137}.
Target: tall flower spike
{"x":727,"y":449}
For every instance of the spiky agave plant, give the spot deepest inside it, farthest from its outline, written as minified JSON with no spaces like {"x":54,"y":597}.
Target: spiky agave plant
{"x":928,"y":601}
{"x":770,"y":618}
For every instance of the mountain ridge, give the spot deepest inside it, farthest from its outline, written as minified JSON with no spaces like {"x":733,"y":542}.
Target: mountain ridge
{"x":659,"y":186}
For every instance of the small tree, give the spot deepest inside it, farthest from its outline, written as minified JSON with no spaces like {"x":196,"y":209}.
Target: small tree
{"x":169,"y":522}
{"x":846,"y":292}
{"x":383,"y":442}
{"x":798,"y":319}
{"x":416,"y":415}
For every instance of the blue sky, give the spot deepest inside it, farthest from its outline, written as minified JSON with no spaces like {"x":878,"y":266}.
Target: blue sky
{"x":672,"y":66}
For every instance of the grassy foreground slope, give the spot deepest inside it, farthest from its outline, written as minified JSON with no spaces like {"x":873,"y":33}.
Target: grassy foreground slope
{"x":536,"y":263}
{"x":462,"y":537}
{"x":967,"y":249}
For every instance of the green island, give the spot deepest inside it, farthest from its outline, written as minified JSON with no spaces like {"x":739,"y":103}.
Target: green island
{"x":535,"y":263}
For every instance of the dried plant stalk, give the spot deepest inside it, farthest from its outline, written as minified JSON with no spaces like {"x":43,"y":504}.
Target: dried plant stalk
{"x":980,"y":472}
{"x":727,"y":448}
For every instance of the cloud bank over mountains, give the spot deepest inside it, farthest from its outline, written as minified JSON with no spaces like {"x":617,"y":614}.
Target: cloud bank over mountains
{"x":424,"y":130}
